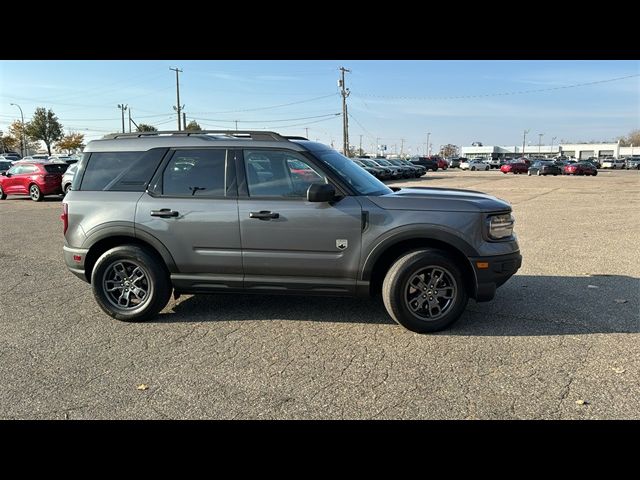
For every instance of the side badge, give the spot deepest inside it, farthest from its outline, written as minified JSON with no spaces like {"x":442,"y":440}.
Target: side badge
{"x":342,"y":243}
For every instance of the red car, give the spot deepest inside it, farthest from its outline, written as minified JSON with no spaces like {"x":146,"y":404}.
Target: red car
{"x":514,"y":168}
{"x":33,"y":179}
{"x":442,"y":163}
{"x":580,"y":168}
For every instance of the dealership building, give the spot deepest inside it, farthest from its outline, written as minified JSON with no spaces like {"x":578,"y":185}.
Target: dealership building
{"x":576,"y":150}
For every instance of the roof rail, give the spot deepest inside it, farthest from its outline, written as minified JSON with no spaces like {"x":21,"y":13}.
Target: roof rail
{"x":293,"y":137}
{"x":252,"y":134}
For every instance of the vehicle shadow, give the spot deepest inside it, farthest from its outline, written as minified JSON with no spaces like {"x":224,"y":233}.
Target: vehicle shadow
{"x":48,"y":198}
{"x":526,"y":305}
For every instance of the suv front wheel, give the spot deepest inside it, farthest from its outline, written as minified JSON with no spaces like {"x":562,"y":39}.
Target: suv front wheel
{"x":130,"y":284}
{"x":424,"y":291}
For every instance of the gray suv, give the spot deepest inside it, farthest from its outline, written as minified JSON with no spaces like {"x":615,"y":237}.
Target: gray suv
{"x":257,"y":212}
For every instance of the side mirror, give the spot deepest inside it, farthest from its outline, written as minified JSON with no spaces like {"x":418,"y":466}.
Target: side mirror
{"x":4,"y":174}
{"x":321,"y":192}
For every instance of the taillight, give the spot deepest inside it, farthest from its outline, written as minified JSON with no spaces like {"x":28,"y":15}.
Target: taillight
{"x":50,"y":177}
{"x":65,"y":218}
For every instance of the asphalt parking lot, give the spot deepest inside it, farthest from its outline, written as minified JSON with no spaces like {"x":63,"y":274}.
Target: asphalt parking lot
{"x":560,"y":341}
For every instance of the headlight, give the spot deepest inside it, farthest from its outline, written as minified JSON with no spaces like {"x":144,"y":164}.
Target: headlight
{"x":501,"y":226}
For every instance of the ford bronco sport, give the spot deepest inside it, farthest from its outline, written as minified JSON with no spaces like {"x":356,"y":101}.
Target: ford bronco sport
{"x":257,"y":212}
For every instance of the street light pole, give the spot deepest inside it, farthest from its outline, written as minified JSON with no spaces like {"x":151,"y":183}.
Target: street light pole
{"x":540,"y":142}
{"x":23,"y":146}
{"x":428,"y":149}
{"x":524,"y":139}
{"x":122,"y":107}
{"x":552,"y":145}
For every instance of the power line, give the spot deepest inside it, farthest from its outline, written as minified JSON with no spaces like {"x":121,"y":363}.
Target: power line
{"x":265,"y":121}
{"x":518,"y":92}
{"x":266,"y":108}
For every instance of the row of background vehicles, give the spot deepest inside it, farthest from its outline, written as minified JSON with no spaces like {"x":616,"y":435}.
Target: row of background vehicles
{"x":36,"y":175}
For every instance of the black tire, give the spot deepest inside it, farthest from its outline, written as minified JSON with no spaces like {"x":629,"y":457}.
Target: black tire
{"x":3,"y":196}
{"x":395,"y":290}
{"x":35,"y":193}
{"x":529,"y":172}
{"x":157,"y":281}
{"x":66,"y":189}
{"x":473,"y":169}
{"x":595,"y":173}
{"x":539,"y":173}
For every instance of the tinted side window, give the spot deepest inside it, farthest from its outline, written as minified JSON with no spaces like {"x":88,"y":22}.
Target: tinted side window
{"x":195,"y":173}
{"x":276,"y":173}
{"x":121,"y":171}
{"x":56,"y":168}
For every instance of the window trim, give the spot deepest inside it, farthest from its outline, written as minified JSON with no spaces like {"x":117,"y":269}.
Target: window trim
{"x":243,"y":188}
{"x":155,"y":186}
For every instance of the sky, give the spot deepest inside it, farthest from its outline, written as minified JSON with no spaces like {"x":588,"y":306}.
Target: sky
{"x":393,"y":103}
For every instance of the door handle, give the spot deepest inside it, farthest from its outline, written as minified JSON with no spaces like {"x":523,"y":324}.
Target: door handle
{"x":164,"y":213}
{"x":264,"y":215}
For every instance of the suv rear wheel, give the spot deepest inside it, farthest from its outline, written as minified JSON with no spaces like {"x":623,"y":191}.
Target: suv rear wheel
{"x":424,"y":291}
{"x":130,"y":284}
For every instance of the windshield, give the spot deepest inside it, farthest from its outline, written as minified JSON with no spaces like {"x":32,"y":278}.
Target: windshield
{"x":384,"y":162}
{"x":369,"y":163}
{"x":360,"y":180}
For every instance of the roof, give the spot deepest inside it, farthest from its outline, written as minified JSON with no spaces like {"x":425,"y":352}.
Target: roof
{"x":141,"y":141}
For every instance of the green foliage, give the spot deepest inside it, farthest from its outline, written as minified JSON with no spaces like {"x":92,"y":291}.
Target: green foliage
{"x":193,"y":125}
{"x":143,"y":127}
{"x":44,"y":125}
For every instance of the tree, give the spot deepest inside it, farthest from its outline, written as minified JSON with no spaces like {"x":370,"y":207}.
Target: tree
{"x":143,"y":127}
{"x":13,"y":139}
{"x":44,"y":125}
{"x":73,"y":141}
{"x":632,"y":139}
{"x":8,"y":142}
{"x":449,"y":151}
{"x":193,"y":125}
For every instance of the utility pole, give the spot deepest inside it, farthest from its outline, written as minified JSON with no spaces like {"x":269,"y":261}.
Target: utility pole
{"x":540,"y":142}
{"x":184,"y":120}
{"x":345,"y":121}
{"x":360,"y":149}
{"x":177,"y":108}
{"x":122,"y":107}
{"x":401,"y":146}
{"x":428,"y":148}
{"x":524,"y":138}
{"x":306,"y":132}
{"x":129,"y":120}
{"x":236,"y":125}
{"x":552,"y":145}
{"x":377,"y":145}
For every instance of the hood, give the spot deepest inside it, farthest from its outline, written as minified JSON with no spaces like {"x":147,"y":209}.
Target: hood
{"x":440,"y":199}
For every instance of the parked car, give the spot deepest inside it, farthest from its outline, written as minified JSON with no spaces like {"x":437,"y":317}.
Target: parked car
{"x":427,"y":162}
{"x":414,"y":171}
{"x":632,"y":163}
{"x":419,"y":168}
{"x":613,"y":163}
{"x":474,"y":165}
{"x":492,"y":162}
{"x":384,"y":173}
{"x":9,"y":157}
{"x":67,"y":178}
{"x":34,"y":179}
{"x":219,"y":227}
{"x":396,"y":172}
{"x":376,"y":172}
{"x":514,"y":167}
{"x":580,"y":168}
{"x":442,"y":163}
{"x":544,"y":168}
{"x":4,"y":165}
{"x":455,"y":162}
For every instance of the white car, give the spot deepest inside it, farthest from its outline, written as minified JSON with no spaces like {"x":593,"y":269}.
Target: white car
{"x":474,"y":165}
{"x":613,"y":163}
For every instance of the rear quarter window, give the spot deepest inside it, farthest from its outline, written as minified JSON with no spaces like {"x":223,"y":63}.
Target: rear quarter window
{"x":120,"y":171}
{"x":56,"y":168}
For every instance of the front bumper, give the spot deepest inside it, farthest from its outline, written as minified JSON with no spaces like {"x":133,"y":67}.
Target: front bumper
{"x":499,"y":269}
{"x":74,"y":258}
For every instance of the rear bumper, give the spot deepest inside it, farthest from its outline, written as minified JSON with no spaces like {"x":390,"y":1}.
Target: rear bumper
{"x":74,"y":259}
{"x":500,"y":269}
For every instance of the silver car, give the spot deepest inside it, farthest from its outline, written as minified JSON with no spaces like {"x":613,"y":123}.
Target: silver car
{"x":67,"y":178}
